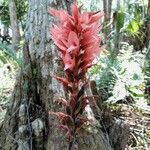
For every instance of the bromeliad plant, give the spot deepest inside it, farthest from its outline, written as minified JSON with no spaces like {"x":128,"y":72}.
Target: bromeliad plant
{"x":76,"y":37}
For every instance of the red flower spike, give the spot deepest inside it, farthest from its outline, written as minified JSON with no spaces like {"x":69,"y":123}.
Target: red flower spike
{"x":59,"y":115}
{"x":69,"y":62}
{"x":64,"y":118}
{"x":96,"y":16}
{"x":64,"y":81}
{"x":60,"y":14}
{"x":75,"y":13}
{"x":73,"y":41}
{"x":76,"y":37}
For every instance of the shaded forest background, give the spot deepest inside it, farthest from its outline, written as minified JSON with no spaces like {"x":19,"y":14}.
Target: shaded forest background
{"x":121,"y":74}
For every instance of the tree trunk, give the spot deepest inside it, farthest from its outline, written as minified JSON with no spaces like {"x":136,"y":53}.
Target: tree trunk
{"x":147,"y":59}
{"x":107,"y":7}
{"x":14,"y":25}
{"x":27,"y":125}
{"x":117,"y":36}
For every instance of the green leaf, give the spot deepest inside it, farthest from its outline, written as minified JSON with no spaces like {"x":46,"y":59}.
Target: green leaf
{"x":133,"y":26}
{"x":120,"y":20}
{"x":135,"y":92}
{"x":136,"y":77}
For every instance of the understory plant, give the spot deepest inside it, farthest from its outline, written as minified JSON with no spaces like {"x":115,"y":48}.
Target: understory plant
{"x":78,"y":42}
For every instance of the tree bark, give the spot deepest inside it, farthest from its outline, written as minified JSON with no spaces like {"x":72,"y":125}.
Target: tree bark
{"x":147,"y":59}
{"x":107,"y":7}
{"x":117,"y":36}
{"x":14,"y":25}
{"x":27,"y":125}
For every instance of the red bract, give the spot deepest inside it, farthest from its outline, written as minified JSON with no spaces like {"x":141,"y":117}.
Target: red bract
{"x":76,"y":37}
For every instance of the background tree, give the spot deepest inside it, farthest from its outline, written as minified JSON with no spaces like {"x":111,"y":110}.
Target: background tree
{"x":107,"y":7}
{"x":14,"y":25}
{"x":12,"y":19}
{"x":147,"y":60}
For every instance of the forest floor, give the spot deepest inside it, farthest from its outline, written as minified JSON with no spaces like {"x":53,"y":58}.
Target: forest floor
{"x":137,"y":116}
{"x":139,"y":122}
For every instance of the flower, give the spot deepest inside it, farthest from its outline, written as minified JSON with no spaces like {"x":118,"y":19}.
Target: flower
{"x":78,"y":42}
{"x":77,"y":38}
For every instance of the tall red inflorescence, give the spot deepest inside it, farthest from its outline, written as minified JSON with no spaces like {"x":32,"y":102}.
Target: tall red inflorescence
{"x":76,"y":37}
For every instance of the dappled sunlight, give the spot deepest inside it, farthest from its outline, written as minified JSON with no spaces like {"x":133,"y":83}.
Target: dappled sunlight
{"x":7,"y":82}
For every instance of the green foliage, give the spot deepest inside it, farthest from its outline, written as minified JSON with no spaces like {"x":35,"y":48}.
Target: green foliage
{"x":21,"y":6}
{"x":104,"y":75}
{"x":136,"y":11}
{"x":4,"y":15}
{"x":7,"y":55}
{"x":120,"y":18}
{"x":121,"y":76}
{"x":131,"y":80}
{"x":133,"y":27}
